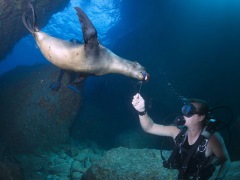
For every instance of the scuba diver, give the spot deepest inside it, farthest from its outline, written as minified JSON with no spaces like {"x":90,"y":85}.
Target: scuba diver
{"x":197,"y":143}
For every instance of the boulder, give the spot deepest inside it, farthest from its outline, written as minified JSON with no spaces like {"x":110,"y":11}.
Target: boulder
{"x":10,"y":171}
{"x":55,"y":163}
{"x":124,"y":163}
{"x":11,"y":26}
{"x":33,"y":115}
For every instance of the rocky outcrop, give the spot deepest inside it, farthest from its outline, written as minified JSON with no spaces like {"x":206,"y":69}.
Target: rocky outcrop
{"x":11,"y":26}
{"x":10,"y":171}
{"x":33,"y":115}
{"x":141,"y":164}
{"x":59,"y":162}
{"x":124,"y":163}
{"x":77,"y":160}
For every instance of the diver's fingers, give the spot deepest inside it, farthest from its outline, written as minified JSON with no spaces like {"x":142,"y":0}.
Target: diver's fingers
{"x":134,"y":101}
{"x":137,"y":99}
{"x":137,"y":96}
{"x":138,"y":103}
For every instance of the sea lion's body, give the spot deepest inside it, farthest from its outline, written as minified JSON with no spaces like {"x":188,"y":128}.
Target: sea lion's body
{"x":90,"y":58}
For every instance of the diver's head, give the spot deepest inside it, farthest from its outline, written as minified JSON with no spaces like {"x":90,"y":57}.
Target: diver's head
{"x":198,"y":108}
{"x":195,"y":106}
{"x":193,"y":111}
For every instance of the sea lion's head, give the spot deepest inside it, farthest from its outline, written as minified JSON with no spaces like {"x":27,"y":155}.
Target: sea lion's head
{"x":139,"y":72}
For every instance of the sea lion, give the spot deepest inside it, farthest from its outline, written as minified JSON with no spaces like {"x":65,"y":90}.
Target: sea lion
{"x":90,"y":58}
{"x":74,"y":77}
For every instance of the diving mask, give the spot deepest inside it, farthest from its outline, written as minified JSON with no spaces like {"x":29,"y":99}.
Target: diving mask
{"x":189,"y":110}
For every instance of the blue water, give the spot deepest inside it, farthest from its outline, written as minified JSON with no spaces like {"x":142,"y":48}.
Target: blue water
{"x":190,"y":48}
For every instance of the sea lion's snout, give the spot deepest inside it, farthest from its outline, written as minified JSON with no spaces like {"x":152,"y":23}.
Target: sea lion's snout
{"x":139,"y":72}
{"x":145,"y":76}
{"x":142,"y":76}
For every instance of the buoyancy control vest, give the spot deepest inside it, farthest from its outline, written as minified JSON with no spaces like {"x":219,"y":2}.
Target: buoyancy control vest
{"x":190,"y":160}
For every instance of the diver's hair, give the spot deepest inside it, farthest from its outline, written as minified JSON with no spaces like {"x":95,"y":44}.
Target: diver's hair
{"x":202,"y":108}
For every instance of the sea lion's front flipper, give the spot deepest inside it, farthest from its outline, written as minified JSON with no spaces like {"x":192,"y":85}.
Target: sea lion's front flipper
{"x":81,"y":78}
{"x":89,"y":31}
{"x":57,"y":84}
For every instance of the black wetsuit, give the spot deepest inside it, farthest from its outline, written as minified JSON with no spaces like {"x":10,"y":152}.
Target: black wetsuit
{"x":199,"y":166}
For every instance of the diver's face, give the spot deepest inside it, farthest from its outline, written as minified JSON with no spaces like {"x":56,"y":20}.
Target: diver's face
{"x":193,"y":120}
{"x":191,"y":114}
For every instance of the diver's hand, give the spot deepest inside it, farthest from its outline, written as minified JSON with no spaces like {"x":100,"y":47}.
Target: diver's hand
{"x":138,"y":103}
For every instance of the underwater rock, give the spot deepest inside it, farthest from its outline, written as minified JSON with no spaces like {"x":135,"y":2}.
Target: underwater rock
{"x":119,"y":163}
{"x":233,"y":173}
{"x":72,"y":152}
{"x":32,"y":115}
{"x":77,"y":170}
{"x":56,"y":164}
{"x":124,"y":163}
{"x":11,"y":26}
{"x":76,"y":176}
{"x":76,"y":167}
{"x":10,"y":171}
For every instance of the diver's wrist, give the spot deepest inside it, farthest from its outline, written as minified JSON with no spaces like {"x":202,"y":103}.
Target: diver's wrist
{"x":142,"y":113}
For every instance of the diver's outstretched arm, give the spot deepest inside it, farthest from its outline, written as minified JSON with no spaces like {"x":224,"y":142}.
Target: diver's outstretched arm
{"x":148,"y":124}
